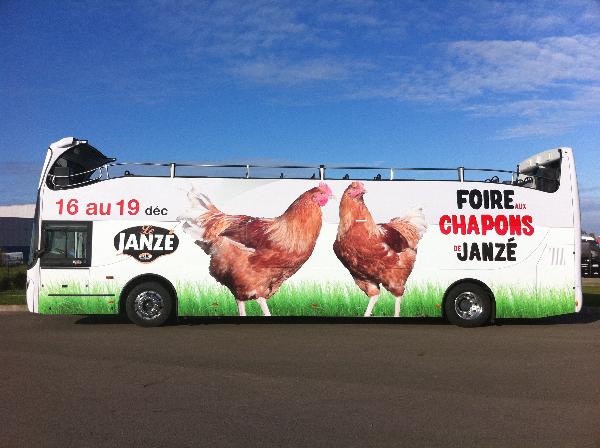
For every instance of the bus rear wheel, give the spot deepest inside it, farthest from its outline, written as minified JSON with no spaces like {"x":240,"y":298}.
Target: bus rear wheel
{"x":468,"y":305}
{"x":149,"y":304}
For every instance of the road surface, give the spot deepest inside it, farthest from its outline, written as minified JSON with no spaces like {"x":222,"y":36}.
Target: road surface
{"x":77,"y":381}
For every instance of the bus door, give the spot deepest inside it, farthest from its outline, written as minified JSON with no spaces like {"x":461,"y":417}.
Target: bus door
{"x":65,"y":260}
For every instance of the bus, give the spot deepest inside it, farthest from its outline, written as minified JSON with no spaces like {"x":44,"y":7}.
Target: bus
{"x":590,"y":257}
{"x":158,"y":241}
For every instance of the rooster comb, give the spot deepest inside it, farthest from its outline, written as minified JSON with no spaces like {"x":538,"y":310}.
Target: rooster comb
{"x":325,"y":189}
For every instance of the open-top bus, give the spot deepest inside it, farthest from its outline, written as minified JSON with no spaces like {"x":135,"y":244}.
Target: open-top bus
{"x":161,"y":240}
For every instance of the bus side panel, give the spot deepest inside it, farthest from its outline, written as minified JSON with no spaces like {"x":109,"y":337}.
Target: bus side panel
{"x":68,"y":291}
{"x":555,"y":284}
{"x":498,"y":242}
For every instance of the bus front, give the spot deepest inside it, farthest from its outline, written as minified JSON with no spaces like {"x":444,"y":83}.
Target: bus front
{"x":61,"y":249}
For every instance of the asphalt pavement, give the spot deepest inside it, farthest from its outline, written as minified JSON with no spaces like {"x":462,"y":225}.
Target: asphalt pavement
{"x":85,"y":381}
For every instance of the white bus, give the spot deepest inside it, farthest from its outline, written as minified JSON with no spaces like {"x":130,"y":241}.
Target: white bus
{"x":159,"y":240}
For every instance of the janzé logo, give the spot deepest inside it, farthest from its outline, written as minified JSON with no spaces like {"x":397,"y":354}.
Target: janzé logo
{"x":146,"y":243}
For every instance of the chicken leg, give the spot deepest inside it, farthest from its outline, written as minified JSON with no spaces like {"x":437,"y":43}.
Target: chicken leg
{"x":241,"y":307}
{"x":397,"y":306}
{"x":263,"y":306}
{"x":371,"y":305}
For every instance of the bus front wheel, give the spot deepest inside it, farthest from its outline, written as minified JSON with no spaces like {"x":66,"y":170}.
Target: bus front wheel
{"x":149,"y":304}
{"x":468,"y":305}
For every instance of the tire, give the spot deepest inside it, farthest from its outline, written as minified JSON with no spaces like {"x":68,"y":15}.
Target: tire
{"x":149,"y":304}
{"x":468,"y":305}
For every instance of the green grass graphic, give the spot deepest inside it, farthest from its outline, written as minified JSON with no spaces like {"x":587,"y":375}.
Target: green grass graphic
{"x":338,"y":300}
{"x":79,"y":305}
{"x":309,"y":299}
{"x":515,"y":302}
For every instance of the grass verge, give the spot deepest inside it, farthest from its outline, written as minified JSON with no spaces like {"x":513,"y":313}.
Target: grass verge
{"x":13,"y":297}
{"x":13,"y":277}
{"x":591,"y":291}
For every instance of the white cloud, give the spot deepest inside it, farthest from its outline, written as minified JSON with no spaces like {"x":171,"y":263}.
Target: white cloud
{"x":558,"y":76}
{"x":542,"y":71}
{"x":467,"y":69}
{"x":509,"y":66}
{"x":351,"y":18}
{"x":282,"y":72}
{"x":21,"y":180}
{"x":551,"y":116}
{"x":526,"y":19}
{"x":257,"y":28}
{"x":556,"y":79}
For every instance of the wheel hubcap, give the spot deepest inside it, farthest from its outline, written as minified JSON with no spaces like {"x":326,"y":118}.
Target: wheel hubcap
{"x":148,"y":305}
{"x":468,"y":306}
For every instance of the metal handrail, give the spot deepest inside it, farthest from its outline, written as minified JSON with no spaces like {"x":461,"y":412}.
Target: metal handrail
{"x":491,"y":170}
{"x":175,"y":165}
{"x":77,"y":174}
{"x":104,"y":170}
{"x":209,"y":165}
{"x":336,"y":167}
{"x":340,"y":167}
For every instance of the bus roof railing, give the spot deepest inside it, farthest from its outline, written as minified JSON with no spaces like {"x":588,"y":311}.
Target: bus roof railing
{"x":103,"y":171}
{"x":322,"y":167}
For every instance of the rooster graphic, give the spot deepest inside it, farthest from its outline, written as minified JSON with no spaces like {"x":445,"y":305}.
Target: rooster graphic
{"x":251,"y":256}
{"x":377,"y":254}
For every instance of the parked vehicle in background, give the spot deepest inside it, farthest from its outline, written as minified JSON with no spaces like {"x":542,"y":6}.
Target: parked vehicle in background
{"x":160,"y":240}
{"x":590,"y":257}
{"x":12,"y":258}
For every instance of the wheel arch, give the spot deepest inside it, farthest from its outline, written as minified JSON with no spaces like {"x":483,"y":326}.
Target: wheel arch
{"x":142,"y":278}
{"x":478,"y":283}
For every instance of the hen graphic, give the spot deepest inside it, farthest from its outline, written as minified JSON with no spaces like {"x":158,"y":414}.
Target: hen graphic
{"x":377,"y":254}
{"x":254,"y":256}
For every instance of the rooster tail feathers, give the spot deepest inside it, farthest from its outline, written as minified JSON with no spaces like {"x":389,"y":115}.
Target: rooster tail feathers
{"x":417,"y":218}
{"x":194,"y":219}
{"x":200,"y":201}
{"x":199,"y":205}
{"x":412,"y":226}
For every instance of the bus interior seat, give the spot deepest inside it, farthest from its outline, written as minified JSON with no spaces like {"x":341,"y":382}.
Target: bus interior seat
{"x":493,"y":180}
{"x":62,"y":175}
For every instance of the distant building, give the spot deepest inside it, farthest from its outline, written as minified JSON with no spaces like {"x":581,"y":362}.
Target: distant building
{"x":16,"y":222}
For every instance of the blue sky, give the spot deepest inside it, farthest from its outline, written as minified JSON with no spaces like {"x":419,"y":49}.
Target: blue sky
{"x":475,"y":83}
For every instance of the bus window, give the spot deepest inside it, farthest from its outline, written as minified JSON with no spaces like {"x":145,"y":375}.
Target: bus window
{"x":66,"y":244}
{"x":544,"y":176}
{"x":77,"y":166}
{"x":548,"y":177}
